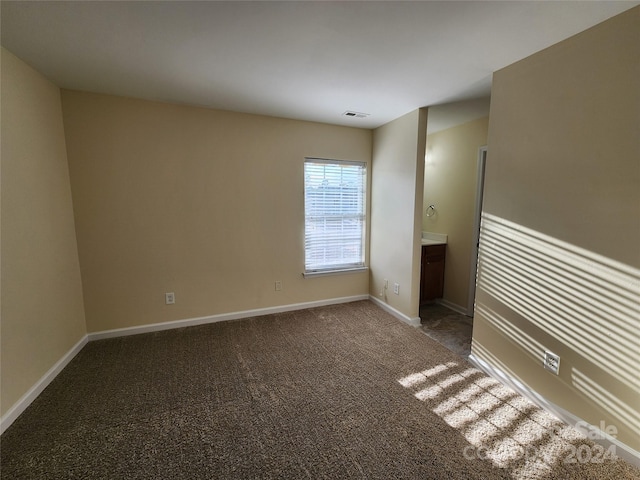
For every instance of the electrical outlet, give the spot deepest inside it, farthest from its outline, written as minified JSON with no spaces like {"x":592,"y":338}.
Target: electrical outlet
{"x":396,"y":288}
{"x":552,"y":362}
{"x":169,"y":298}
{"x":278,"y":285}
{"x":386,"y":283}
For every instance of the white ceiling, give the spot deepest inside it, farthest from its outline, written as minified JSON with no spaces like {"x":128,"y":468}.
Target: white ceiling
{"x":303,"y":60}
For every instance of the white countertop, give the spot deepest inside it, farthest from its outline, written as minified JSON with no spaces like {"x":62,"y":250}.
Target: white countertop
{"x":426,"y":241}
{"x":430,"y":238}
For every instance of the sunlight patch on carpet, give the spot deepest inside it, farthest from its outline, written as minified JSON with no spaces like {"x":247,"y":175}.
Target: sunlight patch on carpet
{"x":501,"y":426}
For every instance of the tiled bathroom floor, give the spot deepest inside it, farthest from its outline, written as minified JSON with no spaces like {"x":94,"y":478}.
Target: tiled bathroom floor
{"x":450,"y":328}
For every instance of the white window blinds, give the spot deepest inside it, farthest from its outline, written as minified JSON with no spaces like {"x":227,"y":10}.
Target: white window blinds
{"x":334,"y":206}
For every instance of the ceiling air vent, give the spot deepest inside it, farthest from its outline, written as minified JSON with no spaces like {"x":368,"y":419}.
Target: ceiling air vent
{"x":349,"y":113}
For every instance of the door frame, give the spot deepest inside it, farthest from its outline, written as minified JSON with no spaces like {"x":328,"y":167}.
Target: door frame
{"x":475,"y":237}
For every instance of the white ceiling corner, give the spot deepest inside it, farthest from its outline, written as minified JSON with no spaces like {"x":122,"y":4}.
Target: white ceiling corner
{"x":310,"y":60}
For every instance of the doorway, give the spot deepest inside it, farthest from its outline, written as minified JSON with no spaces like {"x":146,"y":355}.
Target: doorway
{"x":477,"y":219}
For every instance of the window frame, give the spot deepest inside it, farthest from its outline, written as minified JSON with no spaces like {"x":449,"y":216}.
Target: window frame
{"x":314,"y":269}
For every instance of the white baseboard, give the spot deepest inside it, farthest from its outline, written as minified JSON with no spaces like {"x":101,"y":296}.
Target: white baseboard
{"x":452,"y":306}
{"x":622,"y":450}
{"x":21,"y":405}
{"x":414,"y":322}
{"x":190,"y":322}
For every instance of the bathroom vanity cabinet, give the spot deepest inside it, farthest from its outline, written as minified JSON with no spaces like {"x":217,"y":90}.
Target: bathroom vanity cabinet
{"x":432,"y":272}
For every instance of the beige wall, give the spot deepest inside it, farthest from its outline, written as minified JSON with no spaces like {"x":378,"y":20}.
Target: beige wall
{"x":42,"y":313}
{"x":203,"y":203}
{"x":450,"y":179}
{"x":560,"y":256}
{"x":398,"y":172}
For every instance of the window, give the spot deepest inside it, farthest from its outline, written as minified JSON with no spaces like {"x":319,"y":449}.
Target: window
{"x":334,"y":210}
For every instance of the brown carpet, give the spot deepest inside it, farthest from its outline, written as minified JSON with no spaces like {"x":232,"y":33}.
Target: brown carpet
{"x":336,"y":392}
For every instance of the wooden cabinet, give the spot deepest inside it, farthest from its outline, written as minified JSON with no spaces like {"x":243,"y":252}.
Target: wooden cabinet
{"x":432,"y":273}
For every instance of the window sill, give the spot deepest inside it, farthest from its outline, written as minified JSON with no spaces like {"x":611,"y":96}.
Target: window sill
{"x":343,"y":271}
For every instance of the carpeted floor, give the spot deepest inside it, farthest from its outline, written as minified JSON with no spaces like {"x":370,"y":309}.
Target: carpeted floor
{"x":338,"y":392}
